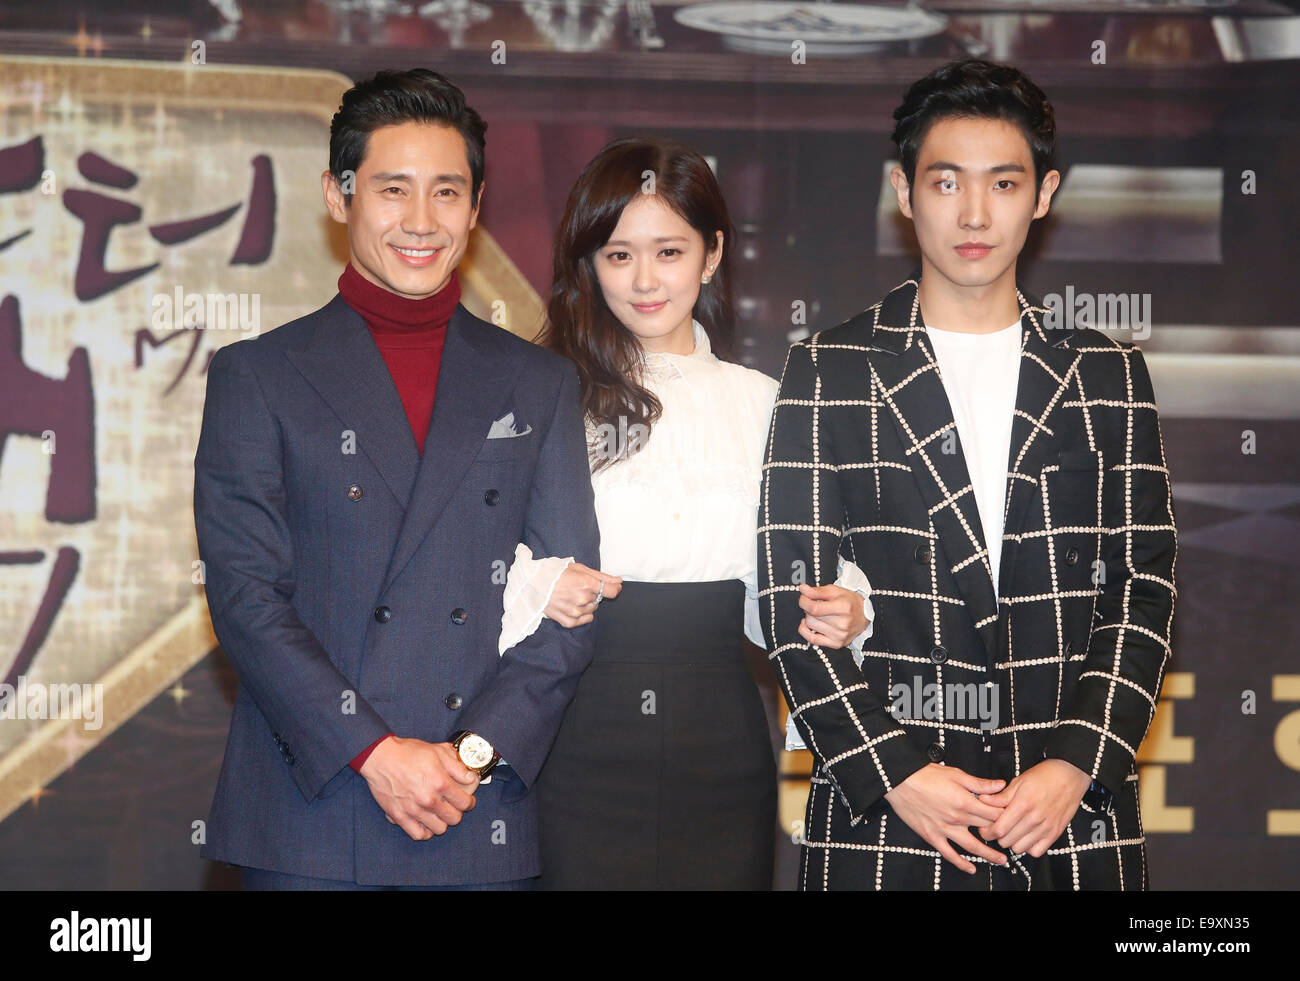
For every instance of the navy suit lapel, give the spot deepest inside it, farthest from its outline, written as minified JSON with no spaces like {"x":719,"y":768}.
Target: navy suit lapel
{"x":346,"y":369}
{"x":475,"y":381}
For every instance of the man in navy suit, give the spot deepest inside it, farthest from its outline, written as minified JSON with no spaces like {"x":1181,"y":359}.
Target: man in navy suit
{"x":362,"y":479}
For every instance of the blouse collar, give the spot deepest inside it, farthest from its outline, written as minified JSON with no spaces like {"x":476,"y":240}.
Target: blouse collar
{"x":662,"y":364}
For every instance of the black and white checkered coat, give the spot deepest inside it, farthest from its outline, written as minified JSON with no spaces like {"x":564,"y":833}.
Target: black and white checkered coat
{"x":863,"y":458}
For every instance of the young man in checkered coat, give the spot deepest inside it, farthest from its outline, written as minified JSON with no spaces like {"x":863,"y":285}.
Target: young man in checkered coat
{"x":997,"y":471}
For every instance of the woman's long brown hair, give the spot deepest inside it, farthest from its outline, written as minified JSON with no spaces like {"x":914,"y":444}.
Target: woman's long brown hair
{"x":580,"y":325}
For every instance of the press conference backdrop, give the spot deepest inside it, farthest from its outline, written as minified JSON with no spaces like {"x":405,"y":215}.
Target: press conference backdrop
{"x":156,"y":207}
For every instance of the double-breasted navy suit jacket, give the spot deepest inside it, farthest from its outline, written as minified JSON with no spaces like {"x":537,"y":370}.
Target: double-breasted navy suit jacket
{"x":357,"y":588}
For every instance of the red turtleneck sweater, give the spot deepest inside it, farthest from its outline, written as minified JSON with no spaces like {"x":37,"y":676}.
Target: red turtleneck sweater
{"x":410,"y":335}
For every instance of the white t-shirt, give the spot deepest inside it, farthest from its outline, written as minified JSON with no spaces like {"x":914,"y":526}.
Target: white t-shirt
{"x":980,"y":374}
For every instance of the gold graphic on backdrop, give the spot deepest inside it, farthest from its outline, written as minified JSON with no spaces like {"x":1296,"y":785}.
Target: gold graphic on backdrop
{"x":1286,"y":742}
{"x":1160,"y":747}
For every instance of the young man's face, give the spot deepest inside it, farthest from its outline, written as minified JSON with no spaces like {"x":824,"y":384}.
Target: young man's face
{"x":973,"y":198}
{"x":410,"y":214}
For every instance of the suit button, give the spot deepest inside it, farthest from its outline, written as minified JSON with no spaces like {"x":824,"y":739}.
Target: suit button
{"x":1072,"y":556}
{"x":492,"y":496}
{"x":459,"y":616}
{"x":276,"y":737}
{"x":935,"y":752}
{"x":938,"y":655}
{"x":289,"y":758}
{"x":454,"y":701}
{"x":383,"y":614}
{"x":922,"y":554}
{"x":354,"y":492}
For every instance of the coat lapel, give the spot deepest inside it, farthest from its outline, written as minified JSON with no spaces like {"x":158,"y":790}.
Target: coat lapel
{"x":909,"y":384}
{"x":475,"y":380}
{"x":1047,"y":364}
{"x":346,"y":369}
{"x":913,"y":390}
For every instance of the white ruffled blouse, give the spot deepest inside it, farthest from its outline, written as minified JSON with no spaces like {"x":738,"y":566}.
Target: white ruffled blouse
{"x":684,"y":508}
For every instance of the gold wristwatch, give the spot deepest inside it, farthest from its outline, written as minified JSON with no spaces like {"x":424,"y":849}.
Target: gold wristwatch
{"x":475,"y":752}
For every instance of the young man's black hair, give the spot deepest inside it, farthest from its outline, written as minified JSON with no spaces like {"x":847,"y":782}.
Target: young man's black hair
{"x":419,"y":95}
{"x":980,"y":89}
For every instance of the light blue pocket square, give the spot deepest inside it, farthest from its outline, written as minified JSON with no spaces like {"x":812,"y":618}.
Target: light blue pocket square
{"x":504,"y":428}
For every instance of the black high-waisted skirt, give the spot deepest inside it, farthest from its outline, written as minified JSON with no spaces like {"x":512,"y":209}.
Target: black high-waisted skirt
{"x":663,"y":775}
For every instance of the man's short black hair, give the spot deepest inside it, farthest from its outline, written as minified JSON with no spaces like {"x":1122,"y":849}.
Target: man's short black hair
{"x":975,"y":89}
{"x":419,"y":95}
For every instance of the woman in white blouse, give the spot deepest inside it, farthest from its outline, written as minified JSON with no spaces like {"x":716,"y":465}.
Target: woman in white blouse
{"x":662,"y":775}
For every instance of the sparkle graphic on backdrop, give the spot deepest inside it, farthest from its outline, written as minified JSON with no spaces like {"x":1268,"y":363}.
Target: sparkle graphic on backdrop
{"x":112,"y":196}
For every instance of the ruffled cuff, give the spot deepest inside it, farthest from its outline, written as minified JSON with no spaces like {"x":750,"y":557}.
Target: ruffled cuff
{"x":529,"y":585}
{"x":852,"y":578}
{"x":793,"y":741}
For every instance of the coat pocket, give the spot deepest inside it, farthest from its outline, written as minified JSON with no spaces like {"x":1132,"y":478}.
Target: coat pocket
{"x":506,"y":448}
{"x":1078,"y":460}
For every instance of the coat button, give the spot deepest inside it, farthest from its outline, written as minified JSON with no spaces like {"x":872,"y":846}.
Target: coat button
{"x":1072,"y":556}
{"x":935,"y":752}
{"x":492,"y":496}
{"x":290,"y":758}
{"x":938,"y":654}
{"x":383,"y":614}
{"x":454,"y":701}
{"x":354,"y":492}
{"x":459,"y":616}
{"x":922,"y":554}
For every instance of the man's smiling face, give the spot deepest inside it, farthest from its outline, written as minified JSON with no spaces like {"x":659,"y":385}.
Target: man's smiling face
{"x":411,"y":214}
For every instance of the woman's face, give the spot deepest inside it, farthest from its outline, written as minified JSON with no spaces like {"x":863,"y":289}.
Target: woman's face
{"x":650,"y":272}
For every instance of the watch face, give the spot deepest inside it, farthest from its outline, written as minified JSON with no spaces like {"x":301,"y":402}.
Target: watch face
{"x":475,"y":751}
